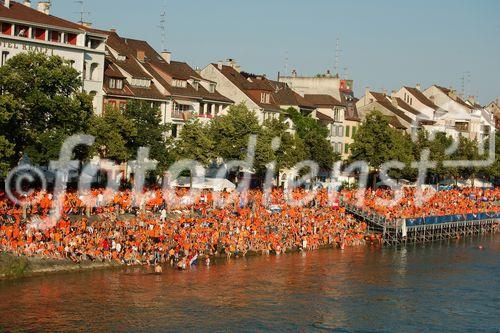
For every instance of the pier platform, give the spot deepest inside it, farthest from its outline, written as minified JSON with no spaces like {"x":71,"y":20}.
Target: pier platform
{"x":401,"y":232}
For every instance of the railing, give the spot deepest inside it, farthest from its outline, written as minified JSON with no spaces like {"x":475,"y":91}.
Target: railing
{"x":433,"y":220}
{"x":412,"y":222}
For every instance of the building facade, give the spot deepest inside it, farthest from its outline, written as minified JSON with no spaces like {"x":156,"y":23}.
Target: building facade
{"x":26,"y":29}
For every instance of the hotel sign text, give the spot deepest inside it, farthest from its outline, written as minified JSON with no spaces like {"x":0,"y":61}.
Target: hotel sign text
{"x":26,"y":47}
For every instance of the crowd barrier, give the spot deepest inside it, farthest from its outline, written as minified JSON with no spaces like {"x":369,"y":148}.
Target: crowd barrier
{"x":430,"y":220}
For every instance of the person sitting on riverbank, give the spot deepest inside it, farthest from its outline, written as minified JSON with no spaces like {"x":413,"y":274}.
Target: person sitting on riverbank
{"x":201,"y":228}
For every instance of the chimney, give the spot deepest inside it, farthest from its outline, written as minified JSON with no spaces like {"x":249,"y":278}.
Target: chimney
{"x":6,"y":3}
{"x":294,"y":73}
{"x":27,"y":3}
{"x":453,"y":94}
{"x":44,"y":6}
{"x":384,"y":91}
{"x":167,"y":56}
{"x":231,"y":62}
{"x":141,"y":55}
{"x":393,"y":93}
{"x":367,"y":92}
{"x":113,"y":30}
{"x":394,"y":100}
{"x":219,"y":65}
{"x":472,"y":100}
{"x":87,"y":24}
{"x":418,"y":87}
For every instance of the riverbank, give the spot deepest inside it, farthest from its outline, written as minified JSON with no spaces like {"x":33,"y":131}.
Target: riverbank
{"x":16,"y":267}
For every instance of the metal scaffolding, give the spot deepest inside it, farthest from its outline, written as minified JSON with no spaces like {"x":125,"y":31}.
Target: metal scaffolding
{"x":397,"y":233}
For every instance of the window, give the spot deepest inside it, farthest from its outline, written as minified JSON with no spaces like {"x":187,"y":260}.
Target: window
{"x":93,"y":72}
{"x":95,"y":44}
{"x":265,"y":98}
{"x":40,"y":33}
{"x":5,"y":56}
{"x":112,"y":104}
{"x":341,"y":131}
{"x":212,"y":88}
{"x":7,"y":29}
{"x":354,"y":129}
{"x":181,"y":107}
{"x":71,"y":39}
{"x":179,"y":83}
{"x":141,"y":83}
{"x":196,"y":85}
{"x":336,"y":115}
{"x":116,"y":84}
{"x":174,"y":130}
{"x":123,"y":105}
{"x":346,"y":149}
{"x":347,"y":130}
{"x":22,"y":31}
{"x":55,"y":37}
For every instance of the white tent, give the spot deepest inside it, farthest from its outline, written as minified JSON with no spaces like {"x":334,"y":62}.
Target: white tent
{"x":216,"y":184}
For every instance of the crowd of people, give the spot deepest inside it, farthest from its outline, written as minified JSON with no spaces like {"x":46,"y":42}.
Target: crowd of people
{"x":434,"y":203}
{"x":125,"y":230}
{"x":146,"y":230}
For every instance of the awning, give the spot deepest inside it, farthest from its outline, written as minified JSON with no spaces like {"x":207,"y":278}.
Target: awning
{"x":181,"y":102}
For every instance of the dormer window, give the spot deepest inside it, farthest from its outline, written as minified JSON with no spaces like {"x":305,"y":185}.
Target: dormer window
{"x":179,"y":83}
{"x":211,"y":88}
{"x":265,"y":98}
{"x":121,"y":57}
{"x":141,"y":83}
{"x":196,"y":85}
{"x":116,"y":84}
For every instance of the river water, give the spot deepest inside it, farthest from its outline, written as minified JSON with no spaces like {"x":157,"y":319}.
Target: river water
{"x":441,"y":287}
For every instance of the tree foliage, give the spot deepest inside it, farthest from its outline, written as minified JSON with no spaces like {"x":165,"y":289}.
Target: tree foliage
{"x":149,"y":132}
{"x":195,"y":143}
{"x":113,"y":132}
{"x":41,"y":104}
{"x":315,"y":139}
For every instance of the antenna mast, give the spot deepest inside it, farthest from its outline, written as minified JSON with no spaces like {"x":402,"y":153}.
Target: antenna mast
{"x":163,"y":27}
{"x":337,"y":57}
{"x":286,"y":63}
{"x":465,"y":82}
{"x":82,"y":11}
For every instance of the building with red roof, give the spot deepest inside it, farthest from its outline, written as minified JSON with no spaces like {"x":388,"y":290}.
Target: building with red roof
{"x":27,"y":29}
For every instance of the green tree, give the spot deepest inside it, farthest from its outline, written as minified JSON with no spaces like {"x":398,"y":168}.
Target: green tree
{"x":195,"y":143}
{"x":292,"y":149}
{"x":44,"y":99}
{"x":6,"y":147}
{"x":314,"y":135}
{"x":150,"y":132}
{"x":373,"y":141}
{"x":402,"y":151}
{"x":113,"y":132}
{"x":377,"y":143}
{"x":231,"y":132}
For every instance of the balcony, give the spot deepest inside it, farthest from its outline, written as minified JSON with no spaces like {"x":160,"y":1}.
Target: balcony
{"x":205,"y":116}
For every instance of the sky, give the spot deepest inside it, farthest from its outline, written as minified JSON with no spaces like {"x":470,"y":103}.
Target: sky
{"x":384,"y":44}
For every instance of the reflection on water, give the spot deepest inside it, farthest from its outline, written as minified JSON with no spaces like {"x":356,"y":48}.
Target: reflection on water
{"x":438,"y":287}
